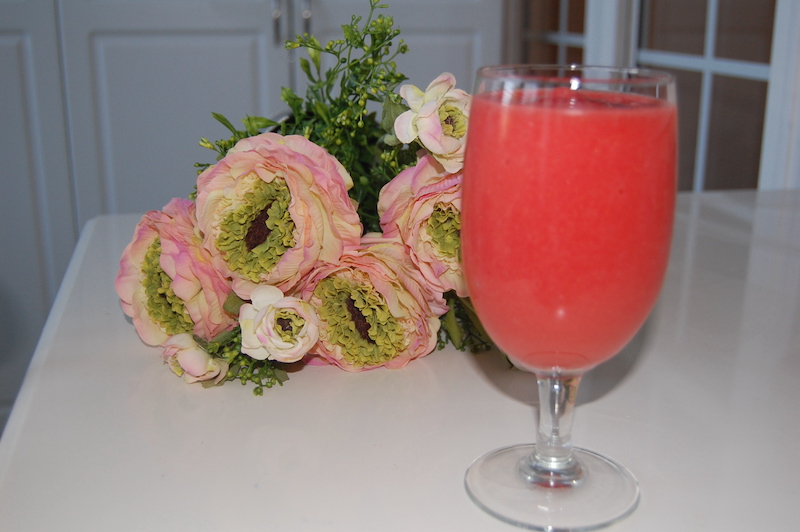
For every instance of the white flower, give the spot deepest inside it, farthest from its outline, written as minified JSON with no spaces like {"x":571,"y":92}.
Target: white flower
{"x":438,"y":118}
{"x":275,"y":327}
{"x":188,"y":360}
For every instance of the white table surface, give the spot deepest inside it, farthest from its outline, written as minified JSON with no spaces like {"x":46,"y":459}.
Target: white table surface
{"x":702,"y":407}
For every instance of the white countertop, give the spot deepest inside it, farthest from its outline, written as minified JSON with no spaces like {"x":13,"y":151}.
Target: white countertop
{"x":702,"y":407}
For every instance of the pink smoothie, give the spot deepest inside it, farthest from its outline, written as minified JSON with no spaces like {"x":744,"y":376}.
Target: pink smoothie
{"x":567,"y":217}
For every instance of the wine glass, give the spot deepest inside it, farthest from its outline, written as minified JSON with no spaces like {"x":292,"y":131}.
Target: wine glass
{"x":567,"y":210}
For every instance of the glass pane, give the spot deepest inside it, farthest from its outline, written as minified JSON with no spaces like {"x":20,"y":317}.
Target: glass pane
{"x":541,"y":53}
{"x":744,"y":29}
{"x":674,"y":25}
{"x":547,"y":54}
{"x":574,"y":55}
{"x":575,"y":15}
{"x":542,"y":16}
{"x":689,"y":84}
{"x":736,"y":127}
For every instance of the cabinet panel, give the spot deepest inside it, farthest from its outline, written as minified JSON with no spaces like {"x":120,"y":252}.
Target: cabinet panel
{"x":455,"y":51}
{"x":20,"y":304}
{"x":142,"y":78}
{"x":149,"y":119}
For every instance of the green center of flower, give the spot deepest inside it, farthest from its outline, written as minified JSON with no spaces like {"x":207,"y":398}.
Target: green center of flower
{"x":357,"y":319}
{"x":254,"y":237}
{"x":453,"y":123}
{"x":288,"y":324}
{"x":444,"y":228}
{"x":163,"y":306}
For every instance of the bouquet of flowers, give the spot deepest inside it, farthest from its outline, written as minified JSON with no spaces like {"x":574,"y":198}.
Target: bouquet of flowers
{"x":330,"y":236}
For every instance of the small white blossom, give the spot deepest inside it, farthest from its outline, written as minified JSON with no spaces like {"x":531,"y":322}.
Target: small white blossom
{"x":438,"y":118}
{"x":275,"y":327}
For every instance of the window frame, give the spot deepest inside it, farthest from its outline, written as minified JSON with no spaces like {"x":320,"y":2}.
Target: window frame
{"x":780,"y":151}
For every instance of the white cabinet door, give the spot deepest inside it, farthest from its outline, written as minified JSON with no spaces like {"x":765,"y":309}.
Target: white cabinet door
{"x":142,"y":78}
{"x":454,"y":36}
{"x":37,"y":233}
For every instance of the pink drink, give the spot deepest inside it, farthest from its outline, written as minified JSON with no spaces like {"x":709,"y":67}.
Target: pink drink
{"x":567,"y":209}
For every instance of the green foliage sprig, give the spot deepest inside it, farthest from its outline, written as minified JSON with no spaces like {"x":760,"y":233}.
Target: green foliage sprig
{"x":346,"y":77}
{"x":461,"y":326}
{"x":262,"y":373}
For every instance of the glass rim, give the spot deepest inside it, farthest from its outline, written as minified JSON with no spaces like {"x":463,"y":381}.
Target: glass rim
{"x":560,"y":73}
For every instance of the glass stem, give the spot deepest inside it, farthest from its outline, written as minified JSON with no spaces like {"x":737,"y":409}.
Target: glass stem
{"x":552,"y":463}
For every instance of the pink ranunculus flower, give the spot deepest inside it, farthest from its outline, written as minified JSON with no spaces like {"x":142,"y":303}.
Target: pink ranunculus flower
{"x":187,"y":359}
{"x":272,"y":208}
{"x":438,"y":118}
{"x":375,"y":308}
{"x":166,"y":281}
{"x":422,"y":207}
{"x":277,"y":327}
{"x":195,"y":281}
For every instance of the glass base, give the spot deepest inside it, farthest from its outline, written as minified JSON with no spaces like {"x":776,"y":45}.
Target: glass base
{"x":606,"y":493}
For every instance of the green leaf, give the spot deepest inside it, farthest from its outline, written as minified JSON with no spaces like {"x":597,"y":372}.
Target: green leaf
{"x":305,"y":66}
{"x":254,"y":124}
{"x":251,"y":128}
{"x":453,"y":328}
{"x":294,"y":101}
{"x":352,"y":36}
{"x":323,"y":111}
{"x":232,"y":304}
{"x":391,"y":140}
{"x":225,"y":122}
{"x":316,"y":57}
{"x":223,"y":337}
{"x":281,"y":376}
{"x":391,"y":110}
{"x":474,"y":320}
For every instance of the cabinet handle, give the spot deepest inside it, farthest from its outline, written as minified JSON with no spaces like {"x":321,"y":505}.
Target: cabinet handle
{"x":277,"y":13}
{"x":306,"y":14}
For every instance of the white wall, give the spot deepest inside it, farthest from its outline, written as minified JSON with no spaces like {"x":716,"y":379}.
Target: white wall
{"x":37,"y":233}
